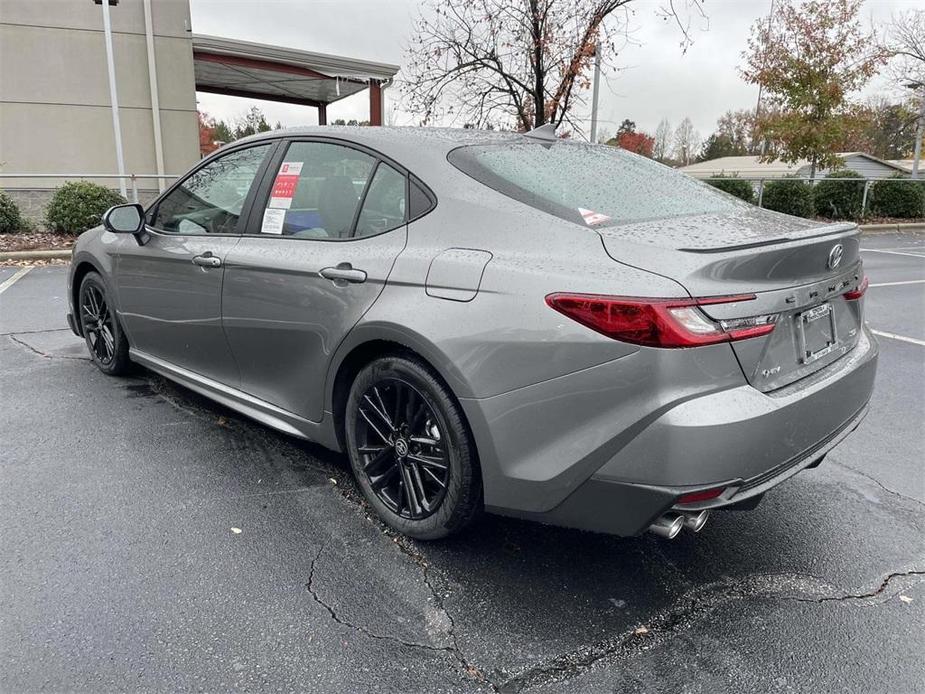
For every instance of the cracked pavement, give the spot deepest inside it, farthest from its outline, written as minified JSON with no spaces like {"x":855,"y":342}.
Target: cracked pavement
{"x":120,"y":568}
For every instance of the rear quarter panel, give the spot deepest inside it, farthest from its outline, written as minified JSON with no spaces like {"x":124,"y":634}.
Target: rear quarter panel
{"x":505,"y":337}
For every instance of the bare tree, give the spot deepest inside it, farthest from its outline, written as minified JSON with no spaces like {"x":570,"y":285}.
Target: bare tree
{"x":686,"y":142}
{"x":509,"y":62}
{"x":906,"y":46}
{"x":739,"y":127}
{"x":907,"y":50}
{"x":662,"y":149}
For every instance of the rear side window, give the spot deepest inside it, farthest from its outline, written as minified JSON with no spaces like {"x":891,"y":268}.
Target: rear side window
{"x":317,"y":191}
{"x":384,"y":204}
{"x":420,"y":200}
{"x":589,"y":185}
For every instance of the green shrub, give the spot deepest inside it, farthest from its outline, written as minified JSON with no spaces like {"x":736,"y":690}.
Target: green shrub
{"x":10,"y":219}
{"x":78,"y":206}
{"x":790,"y":196}
{"x":838,"y":197}
{"x":898,"y":198}
{"x":734,"y":186}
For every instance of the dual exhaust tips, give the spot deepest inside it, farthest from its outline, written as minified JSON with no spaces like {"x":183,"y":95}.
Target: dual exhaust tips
{"x":669,"y":525}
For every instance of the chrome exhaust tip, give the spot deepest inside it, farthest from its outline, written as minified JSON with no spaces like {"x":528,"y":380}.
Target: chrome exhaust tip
{"x":667,"y":526}
{"x":695,"y":521}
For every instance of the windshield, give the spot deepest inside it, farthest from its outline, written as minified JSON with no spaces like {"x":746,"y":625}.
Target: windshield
{"x":591,"y":185}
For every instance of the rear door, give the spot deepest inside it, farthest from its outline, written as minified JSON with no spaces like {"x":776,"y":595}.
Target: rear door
{"x":320,"y":243}
{"x":170,"y":288}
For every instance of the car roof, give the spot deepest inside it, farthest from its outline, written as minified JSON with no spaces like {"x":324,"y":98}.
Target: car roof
{"x":440,"y":138}
{"x":414,"y":147}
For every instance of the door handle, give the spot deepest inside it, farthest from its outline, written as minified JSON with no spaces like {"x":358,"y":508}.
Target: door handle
{"x":343,"y":272}
{"x":207,"y":260}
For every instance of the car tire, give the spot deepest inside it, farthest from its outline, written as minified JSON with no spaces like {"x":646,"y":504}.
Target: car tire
{"x":403,"y":424}
{"x":100,"y":327}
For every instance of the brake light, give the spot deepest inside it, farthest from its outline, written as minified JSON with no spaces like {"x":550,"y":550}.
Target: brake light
{"x":857,"y":292}
{"x":659,"y":322}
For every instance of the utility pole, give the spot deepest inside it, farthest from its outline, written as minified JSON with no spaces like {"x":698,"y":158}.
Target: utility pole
{"x":114,"y":97}
{"x":920,"y":128}
{"x":764,"y":142}
{"x":597,"y":84}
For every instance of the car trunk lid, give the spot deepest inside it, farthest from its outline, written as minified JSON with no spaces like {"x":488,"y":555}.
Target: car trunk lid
{"x":788,"y":264}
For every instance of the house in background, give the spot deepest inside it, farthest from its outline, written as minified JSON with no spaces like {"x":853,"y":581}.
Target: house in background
{"x":752,"y":167}
{"x":907,"y":165}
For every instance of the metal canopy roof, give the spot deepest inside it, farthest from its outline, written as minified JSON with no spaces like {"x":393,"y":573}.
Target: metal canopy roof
{"x":261,"y":71}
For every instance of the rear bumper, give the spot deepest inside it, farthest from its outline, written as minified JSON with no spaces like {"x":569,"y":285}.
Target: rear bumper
{"x":739,"y":438}
{"x":624,"y":508}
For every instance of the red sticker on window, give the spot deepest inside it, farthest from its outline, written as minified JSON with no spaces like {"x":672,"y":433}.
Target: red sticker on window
{"x":591,"y":217}
{"x":283,"y":189}
{"x":287,"y":180}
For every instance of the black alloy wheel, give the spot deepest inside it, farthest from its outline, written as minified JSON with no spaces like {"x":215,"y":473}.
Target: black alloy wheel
{"x":100,"y":327}
{"x":410,"y":448}
{"x":402,"y":449}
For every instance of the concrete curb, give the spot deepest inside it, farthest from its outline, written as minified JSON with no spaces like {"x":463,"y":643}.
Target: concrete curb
{"x":893,"y":228}
{"x":36,"y":255}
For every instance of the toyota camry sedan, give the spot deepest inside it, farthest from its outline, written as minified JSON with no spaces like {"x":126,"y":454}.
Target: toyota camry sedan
{"x":514,"y":323}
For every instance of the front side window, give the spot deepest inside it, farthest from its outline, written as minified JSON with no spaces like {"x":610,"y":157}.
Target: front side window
{"x":316,"y":191}
{"x":589,"y":185}
{"x":211,"y":199}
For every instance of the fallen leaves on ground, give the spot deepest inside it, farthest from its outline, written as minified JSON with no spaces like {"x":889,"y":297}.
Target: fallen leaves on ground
{"x":36,"y":240}
{"x":42,"y":262}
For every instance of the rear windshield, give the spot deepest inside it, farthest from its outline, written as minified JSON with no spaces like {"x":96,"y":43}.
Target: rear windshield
{"x":592,"y":185}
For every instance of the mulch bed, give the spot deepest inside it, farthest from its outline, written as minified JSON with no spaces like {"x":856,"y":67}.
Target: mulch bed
{"x":893,"y":220}
{"x":36,"y":240}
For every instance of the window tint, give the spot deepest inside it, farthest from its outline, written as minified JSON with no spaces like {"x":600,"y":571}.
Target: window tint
{"x":384,"y":205}
{"x":210,"y":200}
{"x":590,"y":185}
{"x":316,"y":191}
{"x":420,"y":201}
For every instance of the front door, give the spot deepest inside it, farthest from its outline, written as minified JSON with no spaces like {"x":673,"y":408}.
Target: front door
{"x":170,"y":288}
{"x":315,"y":256}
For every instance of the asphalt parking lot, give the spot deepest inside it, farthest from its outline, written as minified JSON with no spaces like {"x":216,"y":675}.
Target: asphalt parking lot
{"x":121,"y":567}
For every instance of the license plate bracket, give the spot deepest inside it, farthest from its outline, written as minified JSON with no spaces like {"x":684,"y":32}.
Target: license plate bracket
{"x":816,"y":333}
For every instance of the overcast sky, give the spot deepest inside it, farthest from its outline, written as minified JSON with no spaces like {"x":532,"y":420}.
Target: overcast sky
{"x":655,"y":80}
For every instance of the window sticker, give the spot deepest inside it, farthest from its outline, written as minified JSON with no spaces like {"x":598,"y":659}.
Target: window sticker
{"x":591,"y":217}
{"x":287,"y":180}
{"x":273,"y":220}
{"x":291,"y":167}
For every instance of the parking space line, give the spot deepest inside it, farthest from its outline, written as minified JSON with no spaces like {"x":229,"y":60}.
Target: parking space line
{"x":901,"y":338}
{"x":897,"y":284}
{"x":878,"y":250}
{"x":9,"y":282}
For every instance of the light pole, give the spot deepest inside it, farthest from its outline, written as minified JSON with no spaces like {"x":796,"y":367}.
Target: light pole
{"x":920,"y":128}
{"x":114,"y":97}
{"x":597,"y":82}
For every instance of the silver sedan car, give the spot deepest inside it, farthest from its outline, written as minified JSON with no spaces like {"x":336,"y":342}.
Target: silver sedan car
{"x":492,"y":321}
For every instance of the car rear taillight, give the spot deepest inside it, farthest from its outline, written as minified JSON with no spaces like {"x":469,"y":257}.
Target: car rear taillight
{"x":660,"y":322}
{"x":858,"y":292}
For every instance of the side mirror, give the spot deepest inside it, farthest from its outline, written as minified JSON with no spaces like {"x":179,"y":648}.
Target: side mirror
{"x":125,"y":219}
